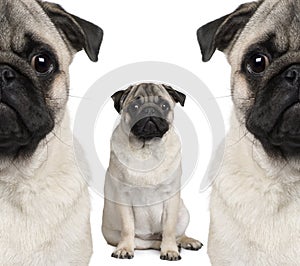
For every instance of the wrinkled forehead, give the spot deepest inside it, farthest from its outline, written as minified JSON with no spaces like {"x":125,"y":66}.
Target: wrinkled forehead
{"x":275,"y":24}
{"x":149,"y":92}
{"x":23,"y":22}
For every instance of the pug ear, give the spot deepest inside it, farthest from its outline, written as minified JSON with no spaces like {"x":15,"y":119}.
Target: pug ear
{"x":80,"y":33}
{"x":119,"y":98}
{"x":177,"y":96}
{"x":220,"y":33}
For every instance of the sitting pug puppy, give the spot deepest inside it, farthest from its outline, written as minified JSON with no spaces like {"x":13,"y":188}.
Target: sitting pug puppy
{"x":255,"y":201}
{"x":44,"y":200}
{"x":143,"y":208}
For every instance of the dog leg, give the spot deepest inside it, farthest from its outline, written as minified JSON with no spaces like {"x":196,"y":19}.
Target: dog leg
{"x":126,"y":246}
{"x":169,"y":249}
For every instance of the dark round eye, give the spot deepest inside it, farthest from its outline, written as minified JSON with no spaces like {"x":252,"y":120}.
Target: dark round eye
{"x":42,"y":64}
{"x":136,"y":104}
{"x":165,"y":106}
{"x":258,"y":63}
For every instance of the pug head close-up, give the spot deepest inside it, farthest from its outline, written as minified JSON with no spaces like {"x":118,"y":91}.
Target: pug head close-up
{"x":147,"y":109}
{"x":265,"y":70}
{"x":37,"y":43}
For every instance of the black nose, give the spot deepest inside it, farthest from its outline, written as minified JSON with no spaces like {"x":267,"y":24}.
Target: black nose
{"x":292,"y":74}
{"x":7,"y":74}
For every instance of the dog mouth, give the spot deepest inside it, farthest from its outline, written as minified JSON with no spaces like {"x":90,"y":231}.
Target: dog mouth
{"x":287,"y":128}
{"x":279,"y":135}
{"x":149,"y":128}
{"x":13,"y":133}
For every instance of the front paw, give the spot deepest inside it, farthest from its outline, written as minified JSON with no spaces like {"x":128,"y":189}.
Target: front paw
{"x":170,"y":255}
{"x":190,"y":243}
{"x":123,"y":253}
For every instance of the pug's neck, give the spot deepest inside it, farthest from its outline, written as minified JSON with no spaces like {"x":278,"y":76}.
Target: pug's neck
{"x":144,"y":156}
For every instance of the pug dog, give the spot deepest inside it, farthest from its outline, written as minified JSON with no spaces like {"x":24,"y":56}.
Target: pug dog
{"x":143,"y":208}
{"x":255,"y":201}
{"x":44,"y":200}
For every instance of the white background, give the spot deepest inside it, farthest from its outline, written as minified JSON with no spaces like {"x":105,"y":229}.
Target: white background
{"x":156,"y":30}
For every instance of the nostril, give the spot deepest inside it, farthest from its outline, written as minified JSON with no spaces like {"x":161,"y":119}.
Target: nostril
{"x":291,"y":75}
{"x":8,"y":75}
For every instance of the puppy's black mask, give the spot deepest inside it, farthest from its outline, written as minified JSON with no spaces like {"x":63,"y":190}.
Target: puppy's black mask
{"x":274,"y":118}
{"x":150,"y":128}
{"x":150,"y":121}
{"x":25,"y":118}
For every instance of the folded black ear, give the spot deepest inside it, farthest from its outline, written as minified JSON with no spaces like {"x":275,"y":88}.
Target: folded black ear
{"x":80,"y":33}
{"x":177,"y":96}
{"x":119,"y":98}
{"x":220,"y":33}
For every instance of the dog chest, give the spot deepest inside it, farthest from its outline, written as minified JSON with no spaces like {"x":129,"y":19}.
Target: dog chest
{"x":148,"y":221}
{"x":140,"y":192}
{"x":257,"y":217}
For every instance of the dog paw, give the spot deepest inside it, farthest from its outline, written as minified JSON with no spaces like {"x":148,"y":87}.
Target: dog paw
{"x":123,"y":253}
{"x":190,"y":243}
{"x":170,"y":256}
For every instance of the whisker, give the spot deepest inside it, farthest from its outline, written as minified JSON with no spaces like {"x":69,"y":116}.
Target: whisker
{"x":231,"y":96}
{"x":283,"y":167}
{"x":239,"y":140}
{"x":61,"y":140}
{"x":14,"y":165}
{"x":71,"y":96}
{"x":79,"y":97}
{"x":222,"y":97}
